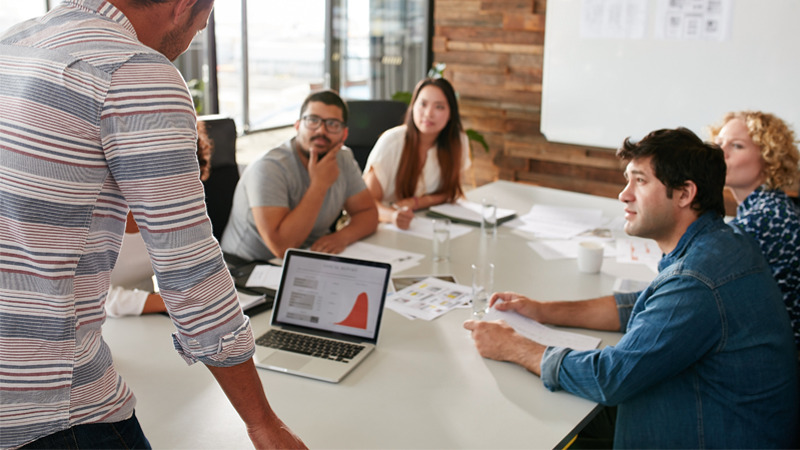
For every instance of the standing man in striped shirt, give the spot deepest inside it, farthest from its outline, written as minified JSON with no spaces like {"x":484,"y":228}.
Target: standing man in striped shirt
{"x":94,"y":121}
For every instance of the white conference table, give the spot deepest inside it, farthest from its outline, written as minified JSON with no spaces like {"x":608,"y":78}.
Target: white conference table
{"x":425,"y":386}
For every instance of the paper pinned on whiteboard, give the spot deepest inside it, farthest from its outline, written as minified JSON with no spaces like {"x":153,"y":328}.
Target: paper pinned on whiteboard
{"x":708,"y":20}
{"x":613,"y":19}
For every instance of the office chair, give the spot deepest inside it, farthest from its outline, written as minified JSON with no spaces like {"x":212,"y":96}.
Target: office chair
{"x":367,"y":121}
{"x":221,"y":183}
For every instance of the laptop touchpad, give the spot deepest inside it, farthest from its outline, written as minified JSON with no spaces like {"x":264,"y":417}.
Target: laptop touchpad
{"x":287,"y":360}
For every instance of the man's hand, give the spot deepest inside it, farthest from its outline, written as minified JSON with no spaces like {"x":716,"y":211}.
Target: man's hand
{"x":497,"y":340}
{"x":511,"y":301}
{"x":276,"y":435}
{"x":243,"y":388}
{"x":596,"y":314}
{"x":324,"y":171}
{"x":330,"y":243}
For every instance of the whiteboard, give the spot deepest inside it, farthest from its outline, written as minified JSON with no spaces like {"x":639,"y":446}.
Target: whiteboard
{"x":598,"y":91}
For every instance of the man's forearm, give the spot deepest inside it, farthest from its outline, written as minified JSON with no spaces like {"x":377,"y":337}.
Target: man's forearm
{"x":528,"y":354}
{"x":597,"y":314}
{"x":243,"y":388}
{"x":293,"y":228}
{"x":361,"y":225}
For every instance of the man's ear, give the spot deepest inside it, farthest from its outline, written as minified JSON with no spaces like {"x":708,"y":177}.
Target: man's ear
{"x":181,"y":8}
{"x":687,"y":194}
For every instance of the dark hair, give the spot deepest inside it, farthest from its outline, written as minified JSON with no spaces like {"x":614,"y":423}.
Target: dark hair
{"x":448,"y":143}
{"x":679,"y":156}
{"x":201,"y":5}
{"x":205,"y":146}
{"x":196,"y":8}
{"x":328,"y":97}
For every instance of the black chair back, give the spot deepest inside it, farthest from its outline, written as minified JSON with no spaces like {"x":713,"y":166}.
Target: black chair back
{"x":221,"y":183}
{"x":367,"y":121}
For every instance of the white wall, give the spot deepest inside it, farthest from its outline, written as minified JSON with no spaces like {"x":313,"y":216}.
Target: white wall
{"x":598,"y":91}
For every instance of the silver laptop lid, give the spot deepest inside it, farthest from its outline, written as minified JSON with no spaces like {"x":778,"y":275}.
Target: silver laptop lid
{"x":331,"y":296}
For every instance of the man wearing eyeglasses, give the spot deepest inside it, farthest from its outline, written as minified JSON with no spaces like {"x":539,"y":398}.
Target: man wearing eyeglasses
{"x":292,"y":196}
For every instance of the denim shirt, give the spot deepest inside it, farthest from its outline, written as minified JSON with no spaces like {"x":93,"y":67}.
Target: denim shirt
{"x":707,"y":358}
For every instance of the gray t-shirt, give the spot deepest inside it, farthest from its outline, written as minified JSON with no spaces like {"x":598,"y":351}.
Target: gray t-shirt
{"x":279,"y":178}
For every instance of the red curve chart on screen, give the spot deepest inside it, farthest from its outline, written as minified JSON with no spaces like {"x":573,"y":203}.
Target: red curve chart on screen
{"x":358,"y":315}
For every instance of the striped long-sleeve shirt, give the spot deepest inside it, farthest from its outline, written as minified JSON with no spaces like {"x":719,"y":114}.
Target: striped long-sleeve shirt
{"x":92,"y":123}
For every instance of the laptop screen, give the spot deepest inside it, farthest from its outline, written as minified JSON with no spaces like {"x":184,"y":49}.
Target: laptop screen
{"x":329,"y":293}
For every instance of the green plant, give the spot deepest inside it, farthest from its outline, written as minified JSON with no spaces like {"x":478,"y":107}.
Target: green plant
{"x":437,"y":71}
{"x":477,"y":137}
{"x":402,"y":96}
{"x":197,"y":90}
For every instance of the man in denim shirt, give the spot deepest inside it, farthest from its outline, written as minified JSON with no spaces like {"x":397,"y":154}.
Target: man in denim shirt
{"x":707,"y":358}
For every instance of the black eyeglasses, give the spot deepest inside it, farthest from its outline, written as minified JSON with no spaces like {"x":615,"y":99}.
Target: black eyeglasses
{"x":314,"y":122}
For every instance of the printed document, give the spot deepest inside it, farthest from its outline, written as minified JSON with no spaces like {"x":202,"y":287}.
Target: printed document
{"x":542,"y":334}
{"x":429,"y":299}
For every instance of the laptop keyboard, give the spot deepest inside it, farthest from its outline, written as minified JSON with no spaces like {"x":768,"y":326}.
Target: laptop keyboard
{"x":310,"y":345}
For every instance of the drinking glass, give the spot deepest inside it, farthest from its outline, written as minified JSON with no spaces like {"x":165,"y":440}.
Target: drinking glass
{"x":482,"y":285}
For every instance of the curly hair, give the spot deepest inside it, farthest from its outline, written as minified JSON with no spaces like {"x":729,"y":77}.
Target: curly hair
{"x":205,"y":146}
{"x":777,"y":142}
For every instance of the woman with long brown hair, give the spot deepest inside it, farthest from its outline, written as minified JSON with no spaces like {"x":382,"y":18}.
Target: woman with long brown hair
{"x":420,"y":163}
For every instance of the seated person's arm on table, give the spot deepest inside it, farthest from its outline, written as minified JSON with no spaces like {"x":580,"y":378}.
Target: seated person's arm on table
{"x":422,"y":202}
{"x":399,"y":216}
{"x":597,"y":314}
{"x":497,"y":340}
{"x":363,"y":222}
{"x":281,"y":228}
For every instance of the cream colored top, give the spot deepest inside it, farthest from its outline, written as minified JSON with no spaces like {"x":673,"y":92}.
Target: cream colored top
{"x":384,"y":160}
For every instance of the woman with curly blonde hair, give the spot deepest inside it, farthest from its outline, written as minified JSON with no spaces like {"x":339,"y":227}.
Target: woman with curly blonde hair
{"x":762,"y":157}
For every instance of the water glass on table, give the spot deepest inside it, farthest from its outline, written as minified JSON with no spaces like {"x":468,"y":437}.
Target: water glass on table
{"x":488,"y":217}
{"x":441,"y":240}
{"x":482,"y":287}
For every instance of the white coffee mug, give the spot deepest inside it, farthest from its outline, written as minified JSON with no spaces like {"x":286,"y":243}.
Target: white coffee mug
{"x":590,"y":256}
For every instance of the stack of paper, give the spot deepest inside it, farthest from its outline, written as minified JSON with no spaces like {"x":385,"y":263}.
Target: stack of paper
{"x":639,"y":251}
{"x":399,"y":259}
{"x":423,"y":227}
{"x":265,"y":275}
{"x":247,"y":301}
{"x":559,"y":222}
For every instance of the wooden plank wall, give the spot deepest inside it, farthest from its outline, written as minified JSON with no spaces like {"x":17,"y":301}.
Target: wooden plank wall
{"x":493,"y":53}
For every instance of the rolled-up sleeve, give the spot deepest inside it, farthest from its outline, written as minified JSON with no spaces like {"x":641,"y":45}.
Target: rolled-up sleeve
{"x":625,"y":302}
{"x":232,"y":348}
{"x":551,"y":364}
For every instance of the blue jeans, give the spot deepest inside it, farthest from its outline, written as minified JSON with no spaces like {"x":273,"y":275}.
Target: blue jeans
{"x":125,"y":434}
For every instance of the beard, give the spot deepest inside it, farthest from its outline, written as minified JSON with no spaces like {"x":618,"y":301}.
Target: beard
{"x":329,"y":145}
{"x":172,"y":45}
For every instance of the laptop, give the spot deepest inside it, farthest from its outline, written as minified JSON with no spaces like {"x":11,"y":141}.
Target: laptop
{"x":326,"y":315}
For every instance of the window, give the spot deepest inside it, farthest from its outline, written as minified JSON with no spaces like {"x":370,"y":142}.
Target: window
{"x":15,"y":11}
{"x":266,"y":66}
{"x":259,"y":71}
